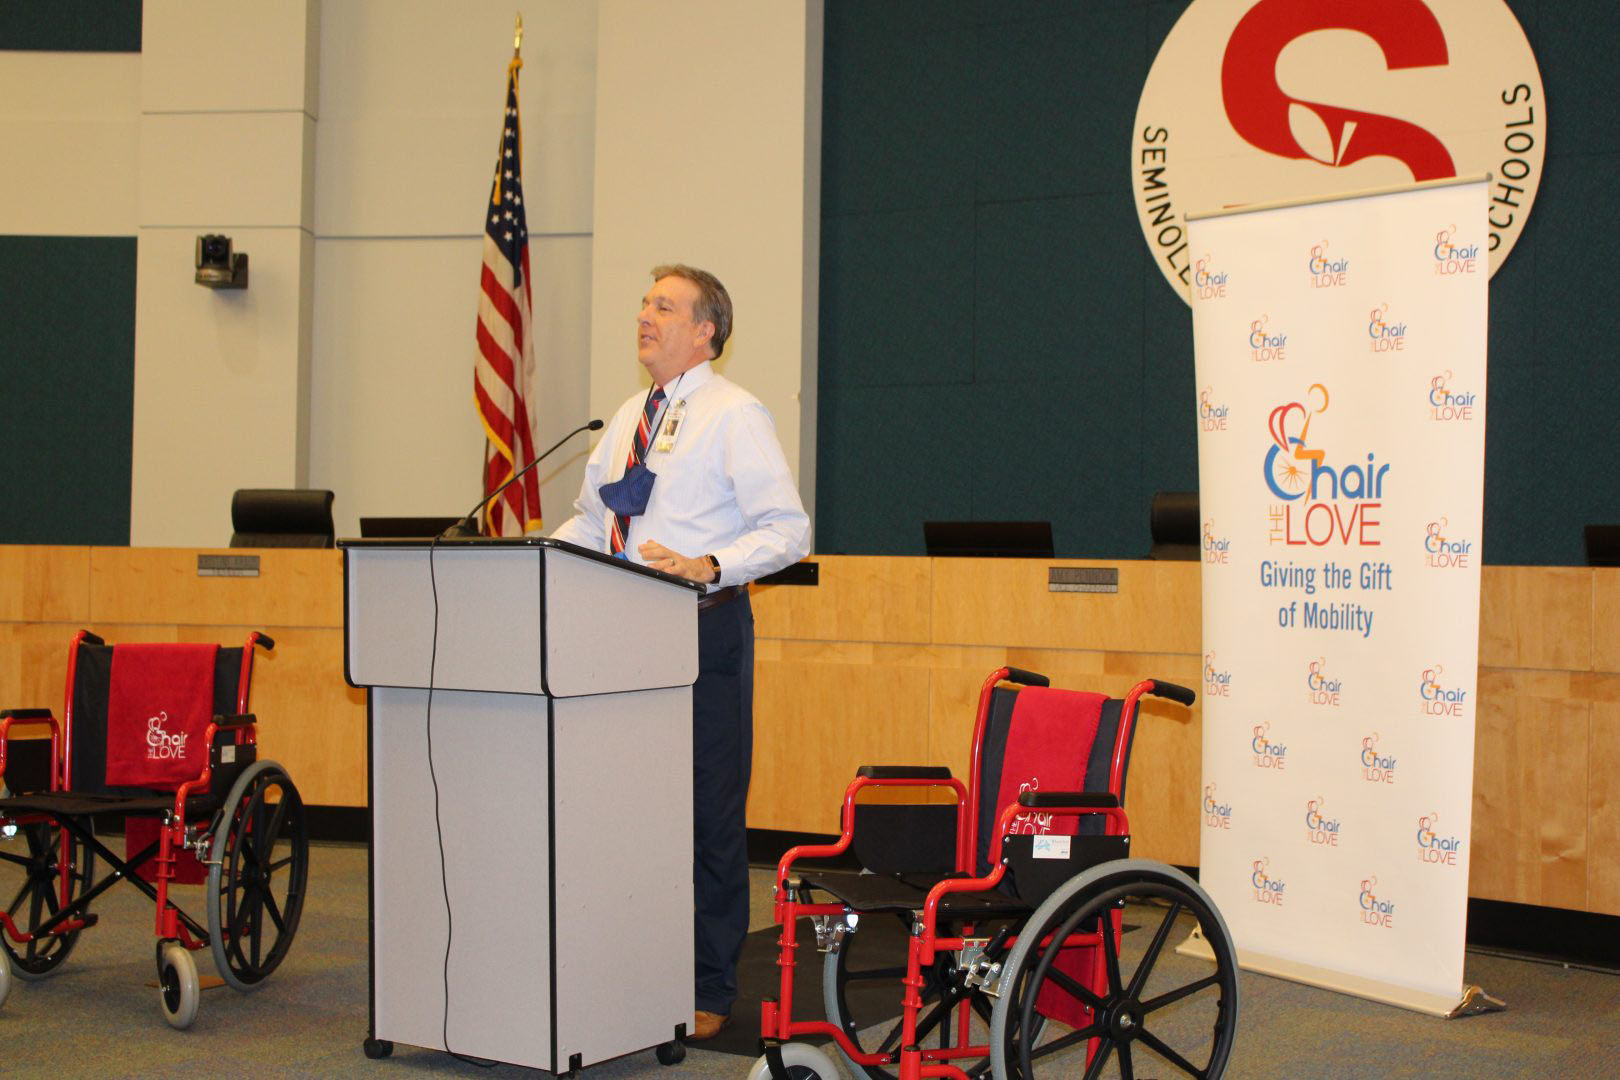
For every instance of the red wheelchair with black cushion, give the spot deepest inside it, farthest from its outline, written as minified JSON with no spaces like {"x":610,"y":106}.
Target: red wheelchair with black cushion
{"x":159,"y":736}
{"x":1028,"y":941}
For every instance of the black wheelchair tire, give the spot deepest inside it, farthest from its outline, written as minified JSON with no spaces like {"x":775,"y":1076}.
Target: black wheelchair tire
{"x":41,"y":866}
{"x":242,"y":879}
{"x":1123,"y":1018}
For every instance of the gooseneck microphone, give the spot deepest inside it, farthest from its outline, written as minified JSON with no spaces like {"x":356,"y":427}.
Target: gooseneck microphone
{"x":468,"y":525}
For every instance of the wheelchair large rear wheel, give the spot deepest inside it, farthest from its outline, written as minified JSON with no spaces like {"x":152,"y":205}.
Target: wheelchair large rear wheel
{"x":866,"y":957}
{"x":40,"y":864}
{"x":257,"y":877}
{"x":1155,"y":1013}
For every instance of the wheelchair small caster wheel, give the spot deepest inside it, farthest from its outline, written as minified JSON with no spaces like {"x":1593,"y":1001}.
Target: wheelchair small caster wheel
{"x":178,"y":990}
{"x":801,"y":1061}
{"x":378,"y":1048}
{"x":670,"y":1053}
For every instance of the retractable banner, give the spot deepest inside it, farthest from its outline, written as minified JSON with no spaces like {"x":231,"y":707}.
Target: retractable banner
{"x":1340,"y":349}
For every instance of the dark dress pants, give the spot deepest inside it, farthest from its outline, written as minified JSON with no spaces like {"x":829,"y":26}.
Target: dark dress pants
{"x":722,"y":756}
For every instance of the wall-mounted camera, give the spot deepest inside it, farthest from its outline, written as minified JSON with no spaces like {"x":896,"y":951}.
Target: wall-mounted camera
{"x":217,"y":266}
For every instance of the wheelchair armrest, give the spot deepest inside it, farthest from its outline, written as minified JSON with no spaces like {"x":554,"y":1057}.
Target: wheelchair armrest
{"x":903,"y":772}
{"x":1047,"y":800}
{"x":235,"y":720}
{"x":25,"y":715}
{"x":1179,"y":694}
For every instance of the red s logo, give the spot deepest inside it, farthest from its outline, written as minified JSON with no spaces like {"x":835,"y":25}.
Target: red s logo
{"x":1406,"y":31}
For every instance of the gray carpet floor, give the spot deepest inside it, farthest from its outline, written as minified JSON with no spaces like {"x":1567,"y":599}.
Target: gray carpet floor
{"x":98,"y":1018}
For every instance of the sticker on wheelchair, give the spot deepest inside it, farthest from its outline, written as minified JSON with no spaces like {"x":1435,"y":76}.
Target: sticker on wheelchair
{"x":1050,"y":847}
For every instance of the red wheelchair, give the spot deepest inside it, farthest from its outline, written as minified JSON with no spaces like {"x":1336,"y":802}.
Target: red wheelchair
{"x":1028,"y":941}
{"x":159,"y":736}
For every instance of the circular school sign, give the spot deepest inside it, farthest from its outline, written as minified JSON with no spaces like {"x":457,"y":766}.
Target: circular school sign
{"x":1286,"y":99}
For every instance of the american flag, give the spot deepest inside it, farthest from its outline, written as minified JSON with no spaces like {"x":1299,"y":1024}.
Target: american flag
{"x":503,"y":374}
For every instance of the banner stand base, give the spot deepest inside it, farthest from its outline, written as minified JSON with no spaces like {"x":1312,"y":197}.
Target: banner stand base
{"x":1197,"y":948}
{"x":1475,"y":1001}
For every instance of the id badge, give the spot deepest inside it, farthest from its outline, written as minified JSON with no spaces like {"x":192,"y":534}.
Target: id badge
{"x":670,"y":428}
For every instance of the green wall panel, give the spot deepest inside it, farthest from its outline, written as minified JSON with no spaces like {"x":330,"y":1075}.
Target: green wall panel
{"x":71,"y":25}
{"x":1012,"y":120}
{"x":67,"y":378}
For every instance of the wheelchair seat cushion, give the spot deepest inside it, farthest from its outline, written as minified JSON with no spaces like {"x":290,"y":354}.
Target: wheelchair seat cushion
{"x":902,"y":894}
{"x":67,"y":804}
{"x":159,"y":700}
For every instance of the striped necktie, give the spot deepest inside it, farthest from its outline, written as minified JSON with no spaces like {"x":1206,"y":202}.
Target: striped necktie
{"x":638,"y":454}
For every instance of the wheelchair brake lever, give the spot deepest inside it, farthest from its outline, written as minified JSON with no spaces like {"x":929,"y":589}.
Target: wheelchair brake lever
{"x":998,"y":944}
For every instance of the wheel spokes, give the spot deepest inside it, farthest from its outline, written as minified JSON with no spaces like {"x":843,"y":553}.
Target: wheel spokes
{"x":1151,"y":956}
{"x":1110,"y":944}
{"x":1104,"y":1049}
{"x":1173,"y":996}
{"x":1075,"y":988}
{"x":1163,"y":1049}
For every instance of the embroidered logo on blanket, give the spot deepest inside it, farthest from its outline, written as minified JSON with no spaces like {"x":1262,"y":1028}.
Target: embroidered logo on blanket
{"x":162,"y":745}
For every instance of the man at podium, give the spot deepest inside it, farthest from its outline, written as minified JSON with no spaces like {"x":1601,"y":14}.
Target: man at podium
{"x":689,"y":478}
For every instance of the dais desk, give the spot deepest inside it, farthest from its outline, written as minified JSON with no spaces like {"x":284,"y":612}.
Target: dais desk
{"x":881,"y":663}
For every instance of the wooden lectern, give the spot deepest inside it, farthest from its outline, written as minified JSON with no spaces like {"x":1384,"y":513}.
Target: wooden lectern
{"x":557,"y":761}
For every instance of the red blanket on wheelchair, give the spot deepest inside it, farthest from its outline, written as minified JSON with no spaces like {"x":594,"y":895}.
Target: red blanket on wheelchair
{"x":159,"y":701}
{"x":1049,"y":743}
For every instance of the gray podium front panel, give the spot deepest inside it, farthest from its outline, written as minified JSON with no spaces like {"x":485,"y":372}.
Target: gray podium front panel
{"x":495,"y":868}
{"x":592,"y":648}
{"x":606,"y":628}
{"x":488,"y":626}
{"x":624,"y":871}
{"x":566,"y":819}
{"x":623,"y":914}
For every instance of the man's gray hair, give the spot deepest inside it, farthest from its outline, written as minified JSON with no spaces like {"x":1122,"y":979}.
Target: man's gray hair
{"x":713,"y":303}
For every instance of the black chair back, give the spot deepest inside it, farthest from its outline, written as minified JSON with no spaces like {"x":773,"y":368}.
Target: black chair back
{"x":282,"y":517}
{"x":1173,"y":521}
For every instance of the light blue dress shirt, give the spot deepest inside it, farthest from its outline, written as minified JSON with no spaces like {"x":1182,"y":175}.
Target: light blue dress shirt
{"x":723,"y":489}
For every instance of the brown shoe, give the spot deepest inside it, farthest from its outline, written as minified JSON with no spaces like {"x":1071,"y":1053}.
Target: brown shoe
{"x":706,"y":1025}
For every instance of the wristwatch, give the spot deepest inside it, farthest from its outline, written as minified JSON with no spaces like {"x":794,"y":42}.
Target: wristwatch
{"x":715,"y":564}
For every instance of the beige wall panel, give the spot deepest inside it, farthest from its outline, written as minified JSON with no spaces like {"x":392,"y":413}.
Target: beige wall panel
{"x":70,"y":123}
{"x":1606,"y":619}
{"x":414,"y":88}
{"x":1535,"y":617}
{"x":747,"y":209}
{"x":221,"y":383}
{"x":859,"y":598}
{"x":146,"y":585}
{"x":199,"y":54}
{"x":213,"y":172}
{"x":393,"y":429}
{"x":1006,"y":602}
{"x":44,"y":584}
{"x":815,"y":724}
{"x":1530,"y":790}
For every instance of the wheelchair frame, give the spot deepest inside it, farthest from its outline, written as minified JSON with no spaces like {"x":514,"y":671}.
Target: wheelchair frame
{"x":262,"y":801}
{"x":981,"y":968}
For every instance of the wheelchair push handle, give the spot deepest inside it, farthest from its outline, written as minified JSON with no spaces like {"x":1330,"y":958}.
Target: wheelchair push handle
{"x":1179,"y":694}
{"x":1027,"y":678}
